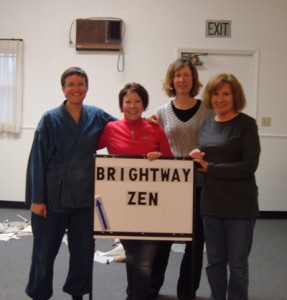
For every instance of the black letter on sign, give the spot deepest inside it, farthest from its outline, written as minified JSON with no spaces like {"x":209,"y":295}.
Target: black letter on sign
{"x":100,"y":173}
{"x":132,"y":196}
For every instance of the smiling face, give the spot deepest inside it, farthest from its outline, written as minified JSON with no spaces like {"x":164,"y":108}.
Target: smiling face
{"x":132,"y":106}
{"x":75,"y":89}
{"x":222,"y":101}
{"x":182,"y":81}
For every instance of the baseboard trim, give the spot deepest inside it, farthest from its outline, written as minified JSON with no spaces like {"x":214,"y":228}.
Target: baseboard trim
{"x":273,"y":215}
{"x":13,"y":204}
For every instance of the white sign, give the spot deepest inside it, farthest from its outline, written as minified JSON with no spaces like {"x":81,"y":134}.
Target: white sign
{"x":140,"y":199}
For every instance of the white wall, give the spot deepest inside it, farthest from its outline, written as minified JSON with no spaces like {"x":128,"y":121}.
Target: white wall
{"x":154,"y":32}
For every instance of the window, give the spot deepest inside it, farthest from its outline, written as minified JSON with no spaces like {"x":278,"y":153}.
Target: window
{"x":11,"y":68}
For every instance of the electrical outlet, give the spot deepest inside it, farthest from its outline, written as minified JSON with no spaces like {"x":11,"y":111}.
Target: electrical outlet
{"x":266,"y":122}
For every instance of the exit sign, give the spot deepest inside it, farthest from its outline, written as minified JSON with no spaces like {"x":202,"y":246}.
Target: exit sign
{"x":218,"y":28}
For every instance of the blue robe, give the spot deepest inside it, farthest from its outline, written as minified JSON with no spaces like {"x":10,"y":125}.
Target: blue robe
{"x":60,"y":169}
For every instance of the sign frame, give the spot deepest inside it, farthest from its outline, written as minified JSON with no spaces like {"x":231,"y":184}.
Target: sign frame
{"x":136,"y":198}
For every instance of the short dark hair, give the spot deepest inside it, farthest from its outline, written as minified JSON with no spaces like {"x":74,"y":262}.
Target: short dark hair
{"x":216,"y":81}
{"x":74,"y":71}
{"x":173,"y":68}
{"x":134,"y":87}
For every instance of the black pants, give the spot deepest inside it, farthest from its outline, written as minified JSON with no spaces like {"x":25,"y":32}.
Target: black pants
{"x":48,"y":233}
{"x":187,"y":283}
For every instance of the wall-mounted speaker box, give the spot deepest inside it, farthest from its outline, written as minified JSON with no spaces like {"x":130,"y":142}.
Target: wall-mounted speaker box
{"x":98,"y":34}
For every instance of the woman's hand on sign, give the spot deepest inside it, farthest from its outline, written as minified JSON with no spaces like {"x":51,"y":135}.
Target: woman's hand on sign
{"x":153,"y":155}
{"x":198,"y":156}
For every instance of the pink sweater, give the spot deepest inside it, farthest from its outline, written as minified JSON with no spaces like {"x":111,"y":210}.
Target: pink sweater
{"x":134,"y":138}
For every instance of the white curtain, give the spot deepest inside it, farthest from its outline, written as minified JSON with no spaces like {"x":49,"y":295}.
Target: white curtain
{"x":11,"y":69}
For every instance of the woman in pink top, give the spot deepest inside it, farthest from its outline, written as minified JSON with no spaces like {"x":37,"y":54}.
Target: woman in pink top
{"x":135,"y":136}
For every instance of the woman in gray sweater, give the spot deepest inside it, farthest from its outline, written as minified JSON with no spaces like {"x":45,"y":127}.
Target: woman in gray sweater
{"x":228,"y":155}
{"x":181,"y":119}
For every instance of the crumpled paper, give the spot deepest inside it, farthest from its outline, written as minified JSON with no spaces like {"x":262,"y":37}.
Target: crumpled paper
{"x":14,"y":230}
{"x":117,"y":254}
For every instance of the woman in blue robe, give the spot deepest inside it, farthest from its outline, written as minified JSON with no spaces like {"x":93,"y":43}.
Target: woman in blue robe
{"x":59,"y":188}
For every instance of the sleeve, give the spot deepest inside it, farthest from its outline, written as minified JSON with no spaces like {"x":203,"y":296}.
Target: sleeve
{"x":107,"y":117}
{"x":103,"y":138}
{"x":246,"y":167}
{"x":40,"y":154}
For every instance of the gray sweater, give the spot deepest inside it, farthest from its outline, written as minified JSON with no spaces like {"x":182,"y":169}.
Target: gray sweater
{"x":232,"y":151}
{"x":182,"y":136}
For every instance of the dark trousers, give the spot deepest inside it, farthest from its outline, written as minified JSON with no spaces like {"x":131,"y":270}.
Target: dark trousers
{"x":48,"y":234}
{"x":139,"y":261}
{"x":228,"y":245}
{"x":187,"y":283}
